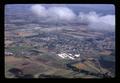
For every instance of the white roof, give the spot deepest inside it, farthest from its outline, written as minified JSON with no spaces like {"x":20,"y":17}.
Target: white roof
{"x":77,"y":55}
{"x":64,"y":55}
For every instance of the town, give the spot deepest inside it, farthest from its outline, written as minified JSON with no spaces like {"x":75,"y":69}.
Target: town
{"x":38,"y":49}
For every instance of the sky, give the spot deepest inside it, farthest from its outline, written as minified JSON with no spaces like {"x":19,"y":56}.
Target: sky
{"x":97,"y":16}
{"x":106,"y":8}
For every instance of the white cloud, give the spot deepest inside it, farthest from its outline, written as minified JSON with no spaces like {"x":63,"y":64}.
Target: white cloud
{"x":108,"y":19}
{"x":97,"y":21}
{"x":39,"y":10}
{"x":59,"y":13}
{"x":56,"y":13}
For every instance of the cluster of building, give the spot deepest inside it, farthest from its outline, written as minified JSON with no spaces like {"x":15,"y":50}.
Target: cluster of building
{"x":68,"y":56}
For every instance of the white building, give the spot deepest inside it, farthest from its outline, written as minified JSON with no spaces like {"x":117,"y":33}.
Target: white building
{"x":77,"y":55}
{"x":70,"y":56}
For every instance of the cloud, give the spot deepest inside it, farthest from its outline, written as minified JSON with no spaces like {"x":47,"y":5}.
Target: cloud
{"x":64,"y":14}
{"x":54,"y":13}
{"x":98,"y":21}
{"x":39,"y":10}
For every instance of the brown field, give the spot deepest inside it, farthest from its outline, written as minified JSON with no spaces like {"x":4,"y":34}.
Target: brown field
{"x":11,"y":59}
{"x":22,"y":34}
{"x":32,"y":66}
{"x":105,"y":52}
{"x":80,"y":66}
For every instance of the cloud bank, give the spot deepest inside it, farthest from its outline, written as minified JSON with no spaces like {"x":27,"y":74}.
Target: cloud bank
{"x":54,"y":13}
{"x":98,"y":21}
{"x":58,"y":13}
